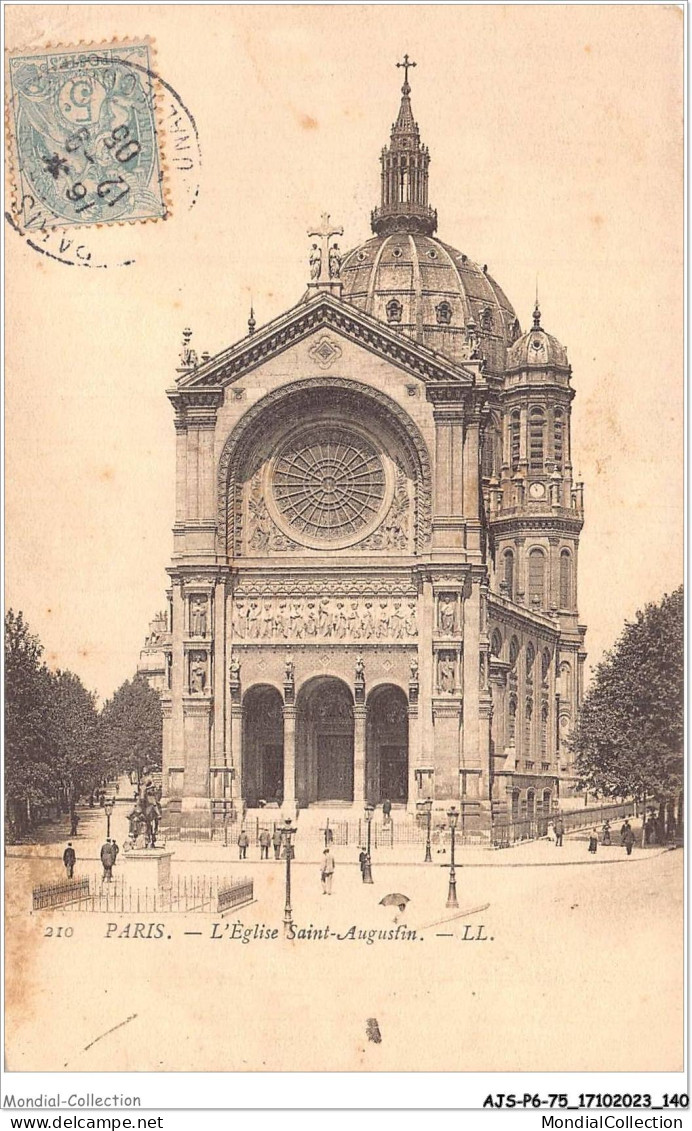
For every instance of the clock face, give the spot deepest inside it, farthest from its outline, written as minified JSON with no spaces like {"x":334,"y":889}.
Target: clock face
{"x":537,"y":490}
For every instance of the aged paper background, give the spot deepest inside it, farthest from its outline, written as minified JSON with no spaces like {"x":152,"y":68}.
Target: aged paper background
{"x":556,"y":143}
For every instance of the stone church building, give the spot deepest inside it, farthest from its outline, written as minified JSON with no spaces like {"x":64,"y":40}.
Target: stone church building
{"x":373,"y":585}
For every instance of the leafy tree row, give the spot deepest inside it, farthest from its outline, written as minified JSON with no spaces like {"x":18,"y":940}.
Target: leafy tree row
{"x":629,"y":737}
{"x":58,"y":746}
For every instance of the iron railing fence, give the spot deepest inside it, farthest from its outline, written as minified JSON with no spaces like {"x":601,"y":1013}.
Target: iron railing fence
{"x":183,"y":894}
{"x":58,"y":895}
{"x":505,"y":834}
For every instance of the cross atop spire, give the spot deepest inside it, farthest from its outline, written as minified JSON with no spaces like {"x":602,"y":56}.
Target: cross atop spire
{"x":406,"y":89}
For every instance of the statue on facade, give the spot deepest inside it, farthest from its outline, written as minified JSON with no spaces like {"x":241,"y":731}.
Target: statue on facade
{"x":198,"y":616}
{"x":447,"y":612}
{"x":234,"y":669}
{"x":360,"y":670}
{"x":289,"y":669}
{"x":413,"y":676}
{"x":315,"y":262}
{"x":198,"y":673}
{"x":445,"y":673}
{"x":334,"y":262}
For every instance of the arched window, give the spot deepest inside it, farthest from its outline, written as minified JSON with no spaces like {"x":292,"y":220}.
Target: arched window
{"x":545,"y":665}
{"x":537,"y":578}
{"x":496,"y":643}
{"x":509,"y":573}
{"x":513,"y":651}
{"x":565,"y":681}
{"x":515,"y":439}
{"x":565,"y":579}
{"x":512,"y":719}
{"x":394,"y":310}
{"x":559,"y":438}
{"x":444,"y":313}
{"x":536,"y":439}
{"x":530,"y":657}
{"x":515,"y":804}
{"x":530,"y":804}
{"x":488,"y":453}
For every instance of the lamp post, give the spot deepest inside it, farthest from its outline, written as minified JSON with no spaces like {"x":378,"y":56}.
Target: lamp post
{"x":108,"y":809}
{"x":367,"y":867}
{"x":453,"y":817}
{"x":287,"y":833}
{"x":426,"y":807}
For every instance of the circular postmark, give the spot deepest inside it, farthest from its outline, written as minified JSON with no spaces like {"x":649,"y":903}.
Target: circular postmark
{"x":100,"y":141}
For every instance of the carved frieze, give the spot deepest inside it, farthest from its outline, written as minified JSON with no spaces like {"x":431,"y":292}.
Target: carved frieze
{"x":324,"y":618}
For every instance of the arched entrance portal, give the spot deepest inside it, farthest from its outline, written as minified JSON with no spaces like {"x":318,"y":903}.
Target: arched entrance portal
{"x":263,"y":745}
{"x":386,"y":745}
{"x":324,"y":742}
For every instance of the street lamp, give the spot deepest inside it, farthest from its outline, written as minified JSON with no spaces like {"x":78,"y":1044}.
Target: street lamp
{"x":287,"y":833}
{"x":108,"y":809}
{"x":367,"y":868}
{"x":453,"y":817}
{"x":426,"y":807}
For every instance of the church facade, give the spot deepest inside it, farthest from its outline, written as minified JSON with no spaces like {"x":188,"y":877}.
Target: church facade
{"x":373,"y":585}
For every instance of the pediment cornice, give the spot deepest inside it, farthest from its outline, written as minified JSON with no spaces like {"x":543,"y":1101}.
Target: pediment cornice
{"x":328,"y":312}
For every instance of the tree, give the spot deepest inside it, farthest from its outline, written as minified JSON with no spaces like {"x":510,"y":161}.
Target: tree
{"x":132,"y":728}
{"x":73,"y":738}
{"x":629,"y":735}
{"x":28,"y":780}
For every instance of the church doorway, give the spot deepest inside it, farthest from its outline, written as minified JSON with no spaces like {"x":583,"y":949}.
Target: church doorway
{"x":386,"y":749}
{"x":324,"y":742}
{"x":263,"y":746}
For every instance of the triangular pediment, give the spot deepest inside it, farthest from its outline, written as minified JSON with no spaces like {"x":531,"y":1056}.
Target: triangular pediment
{"x":326,"y":312}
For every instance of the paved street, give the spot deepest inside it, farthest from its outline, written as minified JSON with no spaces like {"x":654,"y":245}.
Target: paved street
{"x":558,"y":949}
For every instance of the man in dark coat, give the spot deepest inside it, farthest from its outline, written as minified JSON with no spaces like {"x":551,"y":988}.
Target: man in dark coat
{"x":559,"y":831}
{"x":265,"y":841}
{"x":277,"y":841}
{"x":69,"y":859}
{"x":243,"y":841}
{"x":108,"y":860}
{"x":386,"y":809}
{"x":628,"y":838}
{"x":73,"y":824}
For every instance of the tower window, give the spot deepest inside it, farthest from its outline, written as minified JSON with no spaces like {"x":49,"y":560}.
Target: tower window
{"x":544,"y":732}
{"x":509,"y":573}
{"x":545,"y":665}
{"x":515,"y":434}
{"x":513,"y":651}
{"x":558,"y":439}
{"x":537,"y":578}
{"x":565,"y":579}
{"x":512,"y":720}
{"x":394,"y":310}
{"x":528,"y":716}
{"x":530,"y":657}
{"x":496,"y":643}
{"x":536,"y":439}
{"x":565,"y":681}
{"x":488,"y":452}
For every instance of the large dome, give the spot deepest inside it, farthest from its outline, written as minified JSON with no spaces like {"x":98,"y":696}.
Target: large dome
{"x":432,"y":293}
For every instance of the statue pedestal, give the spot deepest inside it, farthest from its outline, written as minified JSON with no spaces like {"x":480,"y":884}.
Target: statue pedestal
{"x":147,"y":867}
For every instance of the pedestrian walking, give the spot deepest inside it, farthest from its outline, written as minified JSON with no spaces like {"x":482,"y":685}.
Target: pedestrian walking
{"x":628,"y":839}
{"x":387,"y":810}
{"x":550,"y":831}
{"x":605,"y":833}
{"x":327,"y":872}
{"x":265,"y":840}
{"x":243,"y":841}
{"x":362,"y":861}
{"x":623,"y":829}
{"x":69,"y":859}
{"x":276,"y":841}
{"x":559,"y":827}
{"x":593,"y":841}
{"x":73,"y":824}
{"x":108,"y":860}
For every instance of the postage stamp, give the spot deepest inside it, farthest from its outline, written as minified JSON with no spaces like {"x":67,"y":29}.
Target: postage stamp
{"x":83,"y":133}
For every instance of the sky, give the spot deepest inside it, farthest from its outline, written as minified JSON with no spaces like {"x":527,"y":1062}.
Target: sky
{"x":555,"y":135}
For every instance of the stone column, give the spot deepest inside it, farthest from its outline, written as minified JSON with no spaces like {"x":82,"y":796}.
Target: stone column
{"x":289,"y":755}
{"x":236,"y":748}
{"x":359,"y":713}
{"x":177,"y":674}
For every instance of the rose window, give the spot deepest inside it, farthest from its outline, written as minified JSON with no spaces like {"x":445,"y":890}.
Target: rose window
{"x":329,"y":484}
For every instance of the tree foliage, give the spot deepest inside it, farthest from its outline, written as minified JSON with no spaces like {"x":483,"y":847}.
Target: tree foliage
{"x":131,"y":728}
{"x":629,"y":735}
